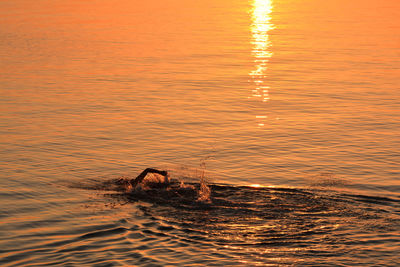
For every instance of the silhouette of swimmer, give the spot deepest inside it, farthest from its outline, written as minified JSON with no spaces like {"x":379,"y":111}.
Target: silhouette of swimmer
{"x":172,"y":191}
{"x":135,"y":182}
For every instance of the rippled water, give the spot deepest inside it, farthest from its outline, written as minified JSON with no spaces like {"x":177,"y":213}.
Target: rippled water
{"x":290,"y":109}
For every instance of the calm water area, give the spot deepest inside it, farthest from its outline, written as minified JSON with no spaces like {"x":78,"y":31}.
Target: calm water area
{"x":289,"y":109}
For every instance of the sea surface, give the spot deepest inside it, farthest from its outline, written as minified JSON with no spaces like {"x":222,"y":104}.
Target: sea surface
{"x":277,"y":120}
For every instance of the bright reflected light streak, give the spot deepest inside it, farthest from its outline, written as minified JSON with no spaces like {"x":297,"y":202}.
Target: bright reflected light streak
{"x":260,"y":28}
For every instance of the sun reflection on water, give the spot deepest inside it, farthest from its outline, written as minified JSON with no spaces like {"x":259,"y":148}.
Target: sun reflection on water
{"x":260,"y":28}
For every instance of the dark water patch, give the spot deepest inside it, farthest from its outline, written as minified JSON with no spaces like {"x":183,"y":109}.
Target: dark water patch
{"x":243,"y":218}
{"x":282,"y":219}
{"x":165,"y":228}
{"x":240,"y":225}
{"x":374,"y":199}
{"x":104,"y":233}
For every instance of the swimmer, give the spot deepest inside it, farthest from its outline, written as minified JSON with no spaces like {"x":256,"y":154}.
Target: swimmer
{"x":140,"y":177}
{"x":166,"y":190}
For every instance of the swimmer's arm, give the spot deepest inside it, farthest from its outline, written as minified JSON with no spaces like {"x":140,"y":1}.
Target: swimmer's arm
{"x":140,"y":177}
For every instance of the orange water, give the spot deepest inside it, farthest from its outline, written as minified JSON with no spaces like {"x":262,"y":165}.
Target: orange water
{"x":281,"y":93}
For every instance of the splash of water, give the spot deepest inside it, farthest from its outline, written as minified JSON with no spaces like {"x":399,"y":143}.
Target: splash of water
{"x":204,"y":193}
